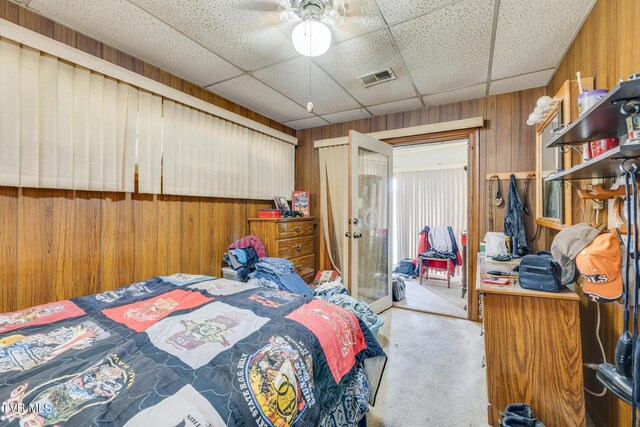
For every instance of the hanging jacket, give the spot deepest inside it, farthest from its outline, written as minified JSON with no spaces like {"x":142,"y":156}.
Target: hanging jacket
{"x":513,"y":219}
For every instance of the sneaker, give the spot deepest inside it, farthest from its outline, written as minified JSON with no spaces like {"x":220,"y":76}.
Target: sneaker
{"x":518,"y":421}
{"x":520,"y":409}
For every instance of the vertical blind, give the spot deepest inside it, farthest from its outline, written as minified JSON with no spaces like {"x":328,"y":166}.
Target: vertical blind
{"x":63,"y":126}
{"x":204,"y":155}
{"x":429,"y":197}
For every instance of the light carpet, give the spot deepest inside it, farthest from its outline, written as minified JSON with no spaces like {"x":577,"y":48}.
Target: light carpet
{"x":434,"y":296}
{"x":434,"y":376}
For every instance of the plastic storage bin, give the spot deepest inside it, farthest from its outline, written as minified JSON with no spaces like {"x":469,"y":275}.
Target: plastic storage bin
{"x":231,"y":274}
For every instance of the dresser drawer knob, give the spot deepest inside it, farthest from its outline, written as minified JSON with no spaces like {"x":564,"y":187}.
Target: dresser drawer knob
{"x":297,"y":229}
{"x":297,"y":247}
{"x":299,"y":267}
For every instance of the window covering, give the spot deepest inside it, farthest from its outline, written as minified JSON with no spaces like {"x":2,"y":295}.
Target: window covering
{"x":62,"y":126}
{"x":204,"y":155}
{"x":429,"y":197}
{"x":65,"y":126}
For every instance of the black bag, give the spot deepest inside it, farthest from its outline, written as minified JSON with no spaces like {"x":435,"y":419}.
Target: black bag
{"x":398,"y":288}
{"x":540,"y":272}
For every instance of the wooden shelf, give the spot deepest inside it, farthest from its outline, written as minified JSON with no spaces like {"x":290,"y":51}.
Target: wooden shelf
{"x":603,"y":120}
{"x":604,"y":166}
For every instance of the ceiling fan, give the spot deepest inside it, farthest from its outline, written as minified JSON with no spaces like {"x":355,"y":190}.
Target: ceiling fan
{"x":312,"y":35}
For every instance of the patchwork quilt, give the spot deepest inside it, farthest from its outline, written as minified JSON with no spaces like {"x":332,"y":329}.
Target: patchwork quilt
{"x":187,"y":350}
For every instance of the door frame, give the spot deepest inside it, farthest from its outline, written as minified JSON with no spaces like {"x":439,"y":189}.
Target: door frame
{"x":473,"y":207}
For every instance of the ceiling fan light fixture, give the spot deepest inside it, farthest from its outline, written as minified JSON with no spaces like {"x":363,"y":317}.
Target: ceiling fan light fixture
{"x":311,"y":37}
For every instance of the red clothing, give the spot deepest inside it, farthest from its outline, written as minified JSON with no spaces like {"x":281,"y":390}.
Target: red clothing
{"x":423,"y":245}
{"x":250,"y":241}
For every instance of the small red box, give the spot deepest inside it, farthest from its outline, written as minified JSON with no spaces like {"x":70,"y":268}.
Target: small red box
{"x":601,"y":146}
{"x":269,"y":213}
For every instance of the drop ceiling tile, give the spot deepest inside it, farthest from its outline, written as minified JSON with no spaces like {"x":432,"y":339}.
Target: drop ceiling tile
{"x":250,"y":34}
{"x":448,"y":48}
{"x":395,"y":107}
{"x":255,"y":95}
{"x":311,"y":122}
{"x":400,"y":10}
{"x":347,"y":116}
{"x":352,"y":18}
{"x":533,"y":35}
{"x":124,"y":26}
{"x":372,"y":52}
{"x":291,"y":78}
{"x":526,"y":81}
{"x":457,"y":95}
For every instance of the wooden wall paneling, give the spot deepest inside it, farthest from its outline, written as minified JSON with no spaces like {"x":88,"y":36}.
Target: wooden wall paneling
{"x":63,"y":239}
{"x":230,"y":224}
{"x":8,"y":249}
{"x":64,"y":34}
{"x":605,"y":49}
{"x":87,"y":242}
{"x":109,"y":241}
{"x":35,"y":22}
{"x":169,"y":235}
{"x":191,"y":235}
{"x":35,"y":226}
{"x":9,"y":11}
{"x":145,"y":227}
{"x":208,"y":229}
{"x":125,"y":239}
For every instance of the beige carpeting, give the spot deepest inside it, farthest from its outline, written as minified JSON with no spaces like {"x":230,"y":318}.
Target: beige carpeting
{"x":434,"y":376}
{"x":434,"y":296}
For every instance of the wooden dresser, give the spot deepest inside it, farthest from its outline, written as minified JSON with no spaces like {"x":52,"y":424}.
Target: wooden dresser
{"x":533,"y":353}
{"x":290,"y":238}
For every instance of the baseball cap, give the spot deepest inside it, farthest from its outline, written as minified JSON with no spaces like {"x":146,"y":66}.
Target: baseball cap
{"x":599,"y":264}
{"x":567,"y":245}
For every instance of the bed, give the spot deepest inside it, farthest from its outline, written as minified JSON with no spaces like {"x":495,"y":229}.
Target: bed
{"x":187,"y":350}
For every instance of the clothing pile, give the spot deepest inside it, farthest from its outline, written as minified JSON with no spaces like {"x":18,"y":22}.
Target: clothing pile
{"x":277,"y":273}
{"x":335,"y":293}
{"x":405,"y":268}
{"x":440,"y":242}
{"x":243,"y":255}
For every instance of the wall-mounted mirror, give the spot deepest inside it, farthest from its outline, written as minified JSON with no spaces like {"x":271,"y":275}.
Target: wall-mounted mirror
{"x":551,"y":160}
{"x":553,"y":198}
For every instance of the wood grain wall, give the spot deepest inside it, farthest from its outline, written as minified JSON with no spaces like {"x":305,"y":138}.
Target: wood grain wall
{"x":606,"y":48}
{"x":506,"y":145}
{"x":57,"y":244}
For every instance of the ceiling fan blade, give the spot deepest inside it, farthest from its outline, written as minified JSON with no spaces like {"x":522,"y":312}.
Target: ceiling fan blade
{"x":276,"y":6}
{"x":355,"y":8}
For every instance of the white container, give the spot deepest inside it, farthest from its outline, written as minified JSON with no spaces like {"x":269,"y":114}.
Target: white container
{"x":588,"y":99}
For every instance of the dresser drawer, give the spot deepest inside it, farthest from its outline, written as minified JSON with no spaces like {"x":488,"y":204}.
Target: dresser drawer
{"x":287,"y":230}
{"x":294,"y":248}
{"x":304,"y":266}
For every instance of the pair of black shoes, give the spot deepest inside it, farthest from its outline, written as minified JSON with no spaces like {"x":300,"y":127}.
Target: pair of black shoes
{"x":519,"y":415}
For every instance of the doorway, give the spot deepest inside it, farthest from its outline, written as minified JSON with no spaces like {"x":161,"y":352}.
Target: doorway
{"x":430,"y":207}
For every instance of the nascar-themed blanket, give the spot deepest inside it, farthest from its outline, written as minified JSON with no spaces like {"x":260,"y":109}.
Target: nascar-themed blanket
{"x":190,"y":351}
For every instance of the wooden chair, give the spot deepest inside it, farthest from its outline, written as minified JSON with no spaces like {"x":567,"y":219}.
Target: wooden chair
{"x":423,"y":269}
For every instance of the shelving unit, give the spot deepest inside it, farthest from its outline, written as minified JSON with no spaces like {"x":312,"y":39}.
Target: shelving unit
{"x":604,"y":166}
{"x":603,"y":120}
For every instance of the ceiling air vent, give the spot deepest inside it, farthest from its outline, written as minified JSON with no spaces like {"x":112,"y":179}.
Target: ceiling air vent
{"x":377,"y":77}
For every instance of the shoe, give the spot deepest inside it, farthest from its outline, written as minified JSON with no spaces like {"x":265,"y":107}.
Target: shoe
{"x":520,"y":409}
{"x":518,"y":421}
